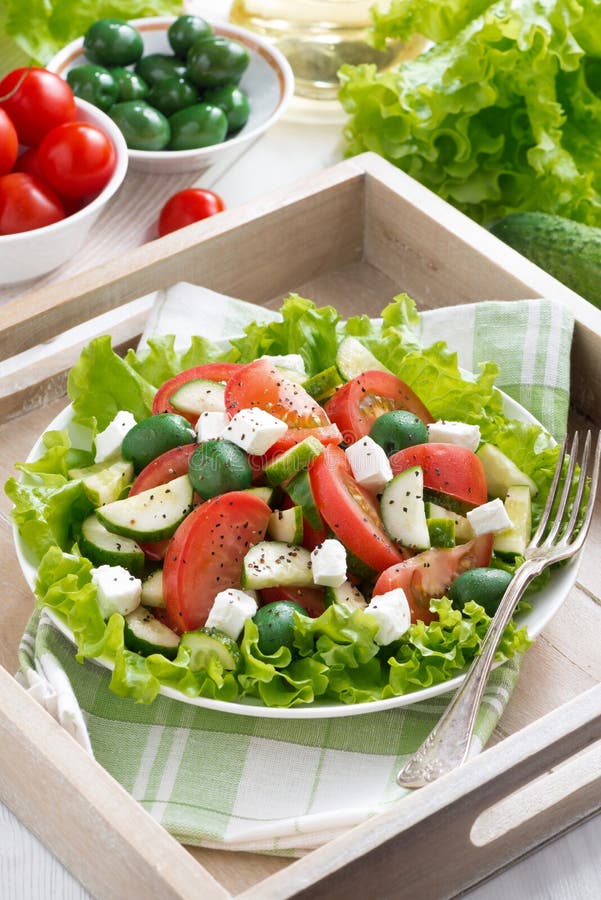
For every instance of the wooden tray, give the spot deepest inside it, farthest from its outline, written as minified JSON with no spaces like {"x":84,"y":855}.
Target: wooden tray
{"x":354,"y":235}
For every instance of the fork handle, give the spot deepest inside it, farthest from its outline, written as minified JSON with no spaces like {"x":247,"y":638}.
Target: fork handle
{"x":448,"y":744}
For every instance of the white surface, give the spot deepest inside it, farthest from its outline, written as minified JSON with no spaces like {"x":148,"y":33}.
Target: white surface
{"x":567,"y":869}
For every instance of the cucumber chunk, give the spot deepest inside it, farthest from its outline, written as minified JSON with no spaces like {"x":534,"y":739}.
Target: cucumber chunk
{"x":403,"y":509}
{"x":105,"y":482}
{"x":518,"y":506}
{"x":463,"y":529}
{"x":197,"y":396}
{"x":322,"y":386}
{"x":347,"y":595}
{"x":292,"y":461}
{"x":152,"y":590}
{"x":501,"y":472}
{"x":104,"y":548}
{"x":352,"y":359}
{"x":264,"y":493}
{"x":286,"y":525}
{"x":442,"y":532}
{"x":150,"y":515}
{"x":145,"y":635}
{"x":275,"y":564}
{"x":299,"y":490}
{"x":205,"y":643}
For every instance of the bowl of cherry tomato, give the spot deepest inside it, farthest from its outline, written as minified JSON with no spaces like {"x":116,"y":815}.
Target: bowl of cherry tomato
{"x":184,"y":92}
{"x":61,"y":161}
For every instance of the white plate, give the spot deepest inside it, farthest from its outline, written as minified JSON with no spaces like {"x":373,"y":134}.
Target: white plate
{"x":268,"y":81}
{"x":544,"y":606}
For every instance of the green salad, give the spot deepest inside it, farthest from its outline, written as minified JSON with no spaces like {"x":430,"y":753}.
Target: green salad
{"x":283,"y":523}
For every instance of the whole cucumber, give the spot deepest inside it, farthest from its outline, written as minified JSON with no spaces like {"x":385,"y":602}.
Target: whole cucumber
{"x":568,"y":250}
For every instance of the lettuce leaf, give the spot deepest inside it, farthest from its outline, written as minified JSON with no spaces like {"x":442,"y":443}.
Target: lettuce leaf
{"x":42,"y":27}
{"x":501,"y":114}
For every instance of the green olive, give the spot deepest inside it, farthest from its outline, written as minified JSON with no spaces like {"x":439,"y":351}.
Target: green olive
{"x":185,"y":31}
{"x":398,"y":429}
{"x":484,"y":586}
{"x":157,"y":67}
{"x":172,"y":94}
{"x":218,"y":466}
{"x":131,"y":86}
{"x":196,"y":126}
{"x":275,"y":623}
{"x":113,"y":42}
{"x":215,"y":61}
{"x":94,"y":84}
{"x":142,"y":126}
{"x":233,"y":101}
{"x":155,"y":435}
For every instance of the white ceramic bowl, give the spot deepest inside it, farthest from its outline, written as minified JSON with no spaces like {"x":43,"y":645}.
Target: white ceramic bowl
{"x":268,"y":82}
{"x":30,"y":254}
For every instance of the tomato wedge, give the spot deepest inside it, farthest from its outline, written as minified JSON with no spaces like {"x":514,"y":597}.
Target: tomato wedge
{"x":310,"y":598}
{"x":350,"y":510}
{"x":260,"y":384}
{"x":206,"y":552}
{"x":431,"y":573}
{"x":164,"y":468}
{"x":448,"y":469}
{"x":357,"y":404}
{"x":210,"y":371}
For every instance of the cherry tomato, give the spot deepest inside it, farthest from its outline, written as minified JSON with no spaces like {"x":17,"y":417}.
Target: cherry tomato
{"x":310,"y":598}
{"x":27,"y":203}
{"x":351,"y":511}
{"x":209,"y":371}
{"x":448,"y":469}
{"x":41,"y":101}
{"x":188,"y":206}
{"x":357,"y":404}
{"x":9,"y":144}
{"x":29,"y":162}
{"x":206,"y":552}
{"x":260,"y":384}
{"x":162,"y":469}
{"x":77,"y":159}
{"x":431,"y":573}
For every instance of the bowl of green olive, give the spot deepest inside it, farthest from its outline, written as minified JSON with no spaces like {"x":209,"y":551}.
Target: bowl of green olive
{"x":183,"y":91}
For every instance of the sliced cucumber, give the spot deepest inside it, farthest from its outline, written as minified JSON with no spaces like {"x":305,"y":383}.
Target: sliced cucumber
{"x":150,"y":515}
{"x":463,"y":529}
{"x":345,"y":595}
{"x":275,"y":564}
{"x":206,"y":643}
{"x":452,"y":504}
{"x":198,"y":396}
{"x":403,"y":510}
{"x":145,"y":635}
{"x":265,"y":493}
{"x":322,"y":386}
{"x":518,"y":505}
{"x":104,"y":548}
{"x":501,"y":472}
{"x":286,"y":525}
{"x":442,"y":532}
{"x":299,"y":490}
{"x":152,"y":590}
{"x":105,"y":482}
{"x":352,"y":359}
{"x":292,"y":461}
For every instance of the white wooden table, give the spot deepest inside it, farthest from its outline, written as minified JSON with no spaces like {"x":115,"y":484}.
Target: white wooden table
{"x":568,"y":868}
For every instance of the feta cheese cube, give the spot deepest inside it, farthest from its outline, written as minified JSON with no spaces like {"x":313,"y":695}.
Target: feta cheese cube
{"x":108,"y":442}
{"x":391,"y":612}
{"x":292,"y":361}
{"x":254,"y":430}
{"x":328,"y":563}
{"x":443,"y":432}
{"x":231,"y":608}
{"x":489,"y":517}
{"x":117,"y":590}
{"x":369,"y":464}
{"x":210,"y":425}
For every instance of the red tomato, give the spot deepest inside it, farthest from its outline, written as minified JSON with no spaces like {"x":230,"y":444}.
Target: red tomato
{"x":26,"y":203}
{"x":206,"y":552}
{"x":188,"y":206}
{"x":431,"y":573}
{"x":36,"y":100}
{"x":210,"y":371}
{"x":351,"y":511}
{"x":260,"y":384}
{"x":164,"y":468}
{"x":448,"y":469}
{"x":29,"y":162}
{"x":9,"y":143}
{"x":356,"y":405}
{"x":77,"y":159}
{"x":310,"y":598}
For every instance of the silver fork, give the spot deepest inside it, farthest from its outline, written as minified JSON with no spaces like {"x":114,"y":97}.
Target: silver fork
{"x":447,"y":746}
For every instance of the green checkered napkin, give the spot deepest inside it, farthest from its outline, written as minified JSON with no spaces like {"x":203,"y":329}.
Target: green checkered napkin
{"x":277,"y":785}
